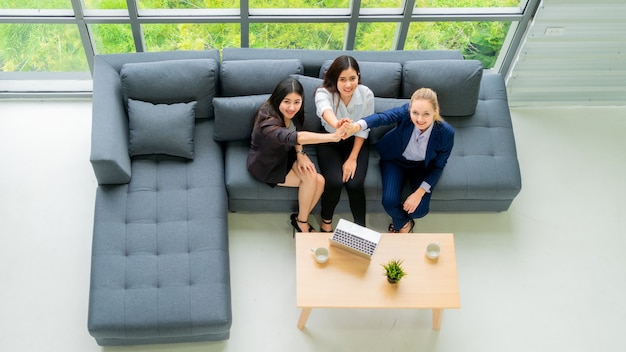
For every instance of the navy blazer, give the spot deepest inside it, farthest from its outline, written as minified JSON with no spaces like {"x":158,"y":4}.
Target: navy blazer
{"x":393,"y":143}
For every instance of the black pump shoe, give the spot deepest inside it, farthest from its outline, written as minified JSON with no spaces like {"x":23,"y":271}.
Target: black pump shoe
{"x":411,"y":223}
{"x":296,"y":227}
{"x":327,"y":222}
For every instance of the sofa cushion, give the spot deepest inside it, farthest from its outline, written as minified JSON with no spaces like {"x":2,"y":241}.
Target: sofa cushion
{"x":161,"y":128}
{"x":383,"y":78}
{"x":311,"y":120}
{"x":457,"y":83}
{"x":234,"y":116}
{"x":173,"y":81}
{"x":254,"y":77}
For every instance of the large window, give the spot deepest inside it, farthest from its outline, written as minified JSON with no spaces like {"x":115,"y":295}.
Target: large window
{"x":57,"y":39}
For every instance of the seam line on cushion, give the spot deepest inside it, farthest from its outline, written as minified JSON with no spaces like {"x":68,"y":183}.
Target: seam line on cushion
{"x":126,"y":264}
{"x":187,"y":233}
{"x":466,"y":191}
{"x":156,"y":239}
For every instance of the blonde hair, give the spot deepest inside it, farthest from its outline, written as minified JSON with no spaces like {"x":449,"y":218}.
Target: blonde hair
{"x":430,"y":96}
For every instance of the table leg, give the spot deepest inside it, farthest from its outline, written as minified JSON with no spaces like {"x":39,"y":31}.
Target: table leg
{"x":304,"y":315}
{"x":437,"y":314}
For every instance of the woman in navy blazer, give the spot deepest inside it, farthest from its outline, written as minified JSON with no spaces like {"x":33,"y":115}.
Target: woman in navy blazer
{"x":417,"y":150}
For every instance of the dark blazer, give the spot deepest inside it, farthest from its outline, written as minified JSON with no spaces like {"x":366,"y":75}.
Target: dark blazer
{"x":393,"y":143}
{"x":270,"y":146}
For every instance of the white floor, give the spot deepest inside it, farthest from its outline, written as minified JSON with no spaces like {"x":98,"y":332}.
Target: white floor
{"x":547,"y":275}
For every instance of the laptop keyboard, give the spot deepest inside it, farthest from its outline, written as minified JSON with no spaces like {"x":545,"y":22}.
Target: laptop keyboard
{"x":358,"y":243}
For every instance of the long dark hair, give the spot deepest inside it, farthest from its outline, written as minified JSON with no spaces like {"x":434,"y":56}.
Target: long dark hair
{"x":340,"y":64}
{"x":285,"y":87}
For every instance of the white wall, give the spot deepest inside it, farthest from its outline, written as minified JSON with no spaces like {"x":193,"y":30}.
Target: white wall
{"x":585,"y":65}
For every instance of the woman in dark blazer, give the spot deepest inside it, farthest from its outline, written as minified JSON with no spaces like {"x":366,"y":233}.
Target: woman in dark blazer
{"x":276,"y":156}
{"x":416,"y":150}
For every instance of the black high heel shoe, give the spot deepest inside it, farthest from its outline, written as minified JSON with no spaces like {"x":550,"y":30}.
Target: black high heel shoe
{"x":412,"y":225}
{"x":327,"y":222}
{"x":296,"y":228}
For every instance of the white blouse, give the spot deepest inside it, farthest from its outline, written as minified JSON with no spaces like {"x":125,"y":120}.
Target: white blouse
{"x":360,"y":106}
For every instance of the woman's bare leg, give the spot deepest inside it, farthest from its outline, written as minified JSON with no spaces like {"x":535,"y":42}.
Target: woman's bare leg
{"x":319,"y":189}
{"x":310,"y":187}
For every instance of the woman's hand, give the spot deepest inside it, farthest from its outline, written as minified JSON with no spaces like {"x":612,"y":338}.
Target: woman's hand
{"x":305,"y":164}
{"x":349,"y":168}
{"x":350,"y":129}
{"x":342,"y":122}
{"x":339,"y":134}
{"x":413,"y":200}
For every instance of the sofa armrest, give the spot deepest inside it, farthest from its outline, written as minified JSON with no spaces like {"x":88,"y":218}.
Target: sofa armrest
{"x":109,"y":131}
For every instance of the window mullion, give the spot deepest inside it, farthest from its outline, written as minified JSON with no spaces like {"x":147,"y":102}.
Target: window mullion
{"x":244,"y":24}
{"x":403,"y":28}
{"x":133,"y":12}
{"x":353,"y":22}
{"x":85,"y":37}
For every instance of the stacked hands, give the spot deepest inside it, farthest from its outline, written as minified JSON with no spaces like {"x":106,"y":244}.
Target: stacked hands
{"x":345,"y":128}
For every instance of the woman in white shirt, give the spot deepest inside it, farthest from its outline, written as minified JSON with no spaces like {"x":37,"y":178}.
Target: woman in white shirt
{"x":341,"y":99}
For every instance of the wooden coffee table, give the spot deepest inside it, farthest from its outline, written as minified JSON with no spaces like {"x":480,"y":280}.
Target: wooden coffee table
{"x":349,"y":281}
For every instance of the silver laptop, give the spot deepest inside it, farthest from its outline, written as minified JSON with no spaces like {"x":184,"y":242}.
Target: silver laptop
{"x":355,"y":238}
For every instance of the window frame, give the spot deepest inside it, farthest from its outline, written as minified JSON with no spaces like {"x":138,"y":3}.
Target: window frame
{"x":73,"y":83}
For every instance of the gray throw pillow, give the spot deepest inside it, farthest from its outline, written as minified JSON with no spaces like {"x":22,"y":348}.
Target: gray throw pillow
{"x":234,"y":116}
{"x":173,"y":81}
{"x":161,"y":128}
{"x":456,"y":82}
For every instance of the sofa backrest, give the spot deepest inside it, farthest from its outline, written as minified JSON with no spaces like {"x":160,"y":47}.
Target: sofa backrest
{"x":456,"y":82}
{"x":254,"y":76}
{"x":392,"y":75}
{"x":172,"y":81}
{"x":312,"y":60}
{"x":244,"y":86}
{"x":110,"y":128}
{"x":383,"y":78}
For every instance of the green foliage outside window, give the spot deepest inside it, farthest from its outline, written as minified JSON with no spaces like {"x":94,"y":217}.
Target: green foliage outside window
{"x":326,"y":36}
{"x":40,"y":48}
{"x":36,"y":47}
{"x":35,"y":4}
{"x":186,"y":4}
{"x":476,"y":40}
{"x":191,"y":36}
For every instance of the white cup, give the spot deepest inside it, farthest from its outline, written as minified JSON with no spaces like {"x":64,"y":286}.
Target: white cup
{"x":321,"y":254}
{"x":433,"y":250}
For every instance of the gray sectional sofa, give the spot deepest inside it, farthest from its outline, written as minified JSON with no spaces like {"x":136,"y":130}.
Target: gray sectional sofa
{"x":170,"y":136}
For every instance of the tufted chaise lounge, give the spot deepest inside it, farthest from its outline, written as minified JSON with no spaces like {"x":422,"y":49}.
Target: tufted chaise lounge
{"x":160,"y":264}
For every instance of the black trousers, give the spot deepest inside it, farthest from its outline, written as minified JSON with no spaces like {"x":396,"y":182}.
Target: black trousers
{"x":330,"y":158}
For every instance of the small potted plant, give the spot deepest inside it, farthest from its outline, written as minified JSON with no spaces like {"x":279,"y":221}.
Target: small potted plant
{"x":393,"y":270}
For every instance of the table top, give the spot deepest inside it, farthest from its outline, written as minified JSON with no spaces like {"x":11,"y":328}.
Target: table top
{"x":349,"y":281}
